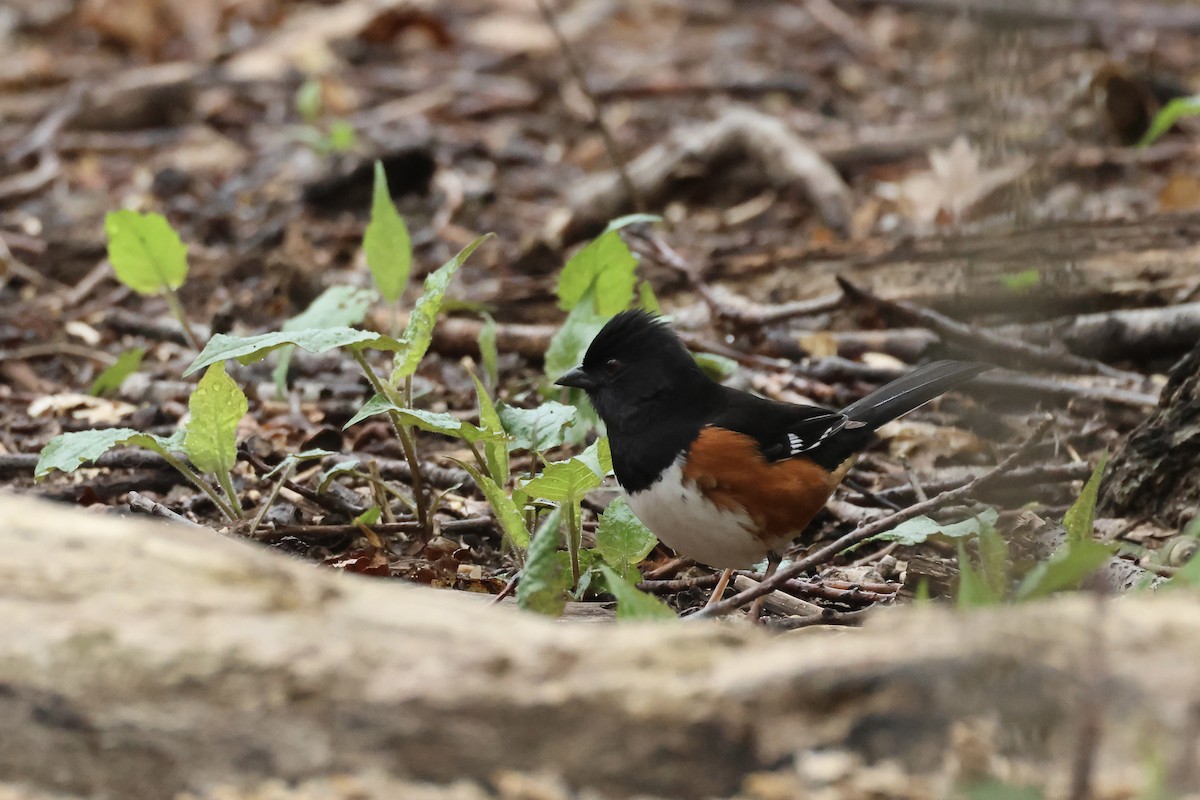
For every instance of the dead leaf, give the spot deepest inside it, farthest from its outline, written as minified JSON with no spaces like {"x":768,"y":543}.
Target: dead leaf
{"x":955,"y":182}
{"x":1181,"y":193}
{"x":923,"y":445}
{"x":94,"y":410}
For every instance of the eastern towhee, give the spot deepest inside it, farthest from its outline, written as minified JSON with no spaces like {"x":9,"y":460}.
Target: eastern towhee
{"x":722,"y":476}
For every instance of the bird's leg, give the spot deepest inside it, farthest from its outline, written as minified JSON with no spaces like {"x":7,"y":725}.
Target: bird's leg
{"x":773,"y":560}
{"x":722,"y":583}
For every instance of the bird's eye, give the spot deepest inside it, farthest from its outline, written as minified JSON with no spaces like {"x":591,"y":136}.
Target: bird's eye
{"x":612,"y":366}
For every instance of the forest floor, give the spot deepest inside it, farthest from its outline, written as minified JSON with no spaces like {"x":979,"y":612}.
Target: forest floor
{"x":973,"y":160}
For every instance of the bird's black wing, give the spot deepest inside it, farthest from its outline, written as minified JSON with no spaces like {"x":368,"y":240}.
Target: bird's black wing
{"x":785,"y":430}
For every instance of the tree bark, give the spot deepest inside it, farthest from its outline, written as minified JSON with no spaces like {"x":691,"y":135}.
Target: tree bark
{"x":141,"y":660}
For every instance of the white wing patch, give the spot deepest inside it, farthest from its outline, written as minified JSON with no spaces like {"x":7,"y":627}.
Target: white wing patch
{"x":797,"y":445}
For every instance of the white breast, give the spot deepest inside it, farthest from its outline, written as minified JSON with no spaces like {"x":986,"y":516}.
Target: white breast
{"x":688,"y":523}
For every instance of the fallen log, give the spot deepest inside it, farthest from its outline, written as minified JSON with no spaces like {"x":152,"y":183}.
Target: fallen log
{"x":143,"y":660}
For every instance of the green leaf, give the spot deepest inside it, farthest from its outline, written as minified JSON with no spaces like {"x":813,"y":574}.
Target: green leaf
{"x":918,"y":529}
{"x":341,"y":138}
{"x":489,"y":356}
{"x":973,"y":589}
{"x":146,"y":253}
{"x":537,"y":429}
{"x":568,"y":481}
{"x":336,"y":307}
{"x":216,"y":407}
{"x":622,"y":540}
{"x":349,"y":465}
{"x":495,"y":449}
{"x":419,"y":332}
{"x":386,"y":242}
{"x":571,"y":341}
{"x":1078,"y":519}
{"x":110,"y":380}
{"x":632,"y":603}
{"x":298,"y":458}
{"x":1065,"y":569}
{"x":1168,"y":115}
{"x":508,"y":513}
{"x":716,"y":367}
{"x":369,"y":517}
{"x":248,"y":349}
{"x":431,"y":421}
{"x":68,"y":451}
{"x":545,"y":580}
{"x":308,"y":100}
{"x":605,"y":266}
{"x":1021,"y":281}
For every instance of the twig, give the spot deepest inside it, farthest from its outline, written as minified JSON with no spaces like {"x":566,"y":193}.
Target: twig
{"x":139,"y":502}
{"x":730,"y":306}
{"x":985,"y":342}
{"x":326,"y":500}
{"x":827,"y":617}
{"x":867,"y":531}
{"x":580,"y":75}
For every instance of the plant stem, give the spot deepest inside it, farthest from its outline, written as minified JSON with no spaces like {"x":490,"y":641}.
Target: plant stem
{"x":270,"y":498}
{"x":226,"y":481}
{"x":177,"y":309}
{"x":574,"y":539}
{"x":403,"y":433}
{"x":183,"y":469}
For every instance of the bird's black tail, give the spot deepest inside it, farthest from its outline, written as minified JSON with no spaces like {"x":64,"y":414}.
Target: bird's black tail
{"x":912,"y":391}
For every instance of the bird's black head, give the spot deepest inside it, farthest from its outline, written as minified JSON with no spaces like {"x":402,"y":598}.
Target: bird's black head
{"x":638,"y":373}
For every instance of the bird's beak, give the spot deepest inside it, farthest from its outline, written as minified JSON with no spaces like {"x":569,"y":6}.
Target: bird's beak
{"x":577,"y":378}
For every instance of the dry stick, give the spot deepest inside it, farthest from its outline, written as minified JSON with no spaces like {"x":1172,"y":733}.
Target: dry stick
{"x":867,"y":531}
{"x":139,"y":502}
{"x":734,"y":307}
{"x":610,"y":143}
{"x":959,"y":333}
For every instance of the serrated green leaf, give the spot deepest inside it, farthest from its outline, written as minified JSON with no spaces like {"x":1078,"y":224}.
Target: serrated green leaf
{"x":568,"y":481}
{"x":68,"y":451}
{"x":918,"y":529}
{"x":546,"y":580}
{"x":431,"y":421}
{"x":489,"y":356}
{"x":633,"y":603}
{"x":418,"y":334}
{"x":495,"y":449}
{"x":248,"y":349}
{"x":622,"y":540}
{"x":571,"y":341}
{"x":508,"y":513}
{"x":386,"y":242}
{"x":1065,"y":569}
{"x":537,"y":429}
{"x":108,"y":381}
{"x":1168,"y":115}
{"x":145,"y":251}
{"x":1078,"y":519}
{"x":337,"y":307}
{"x":215,"y":408}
